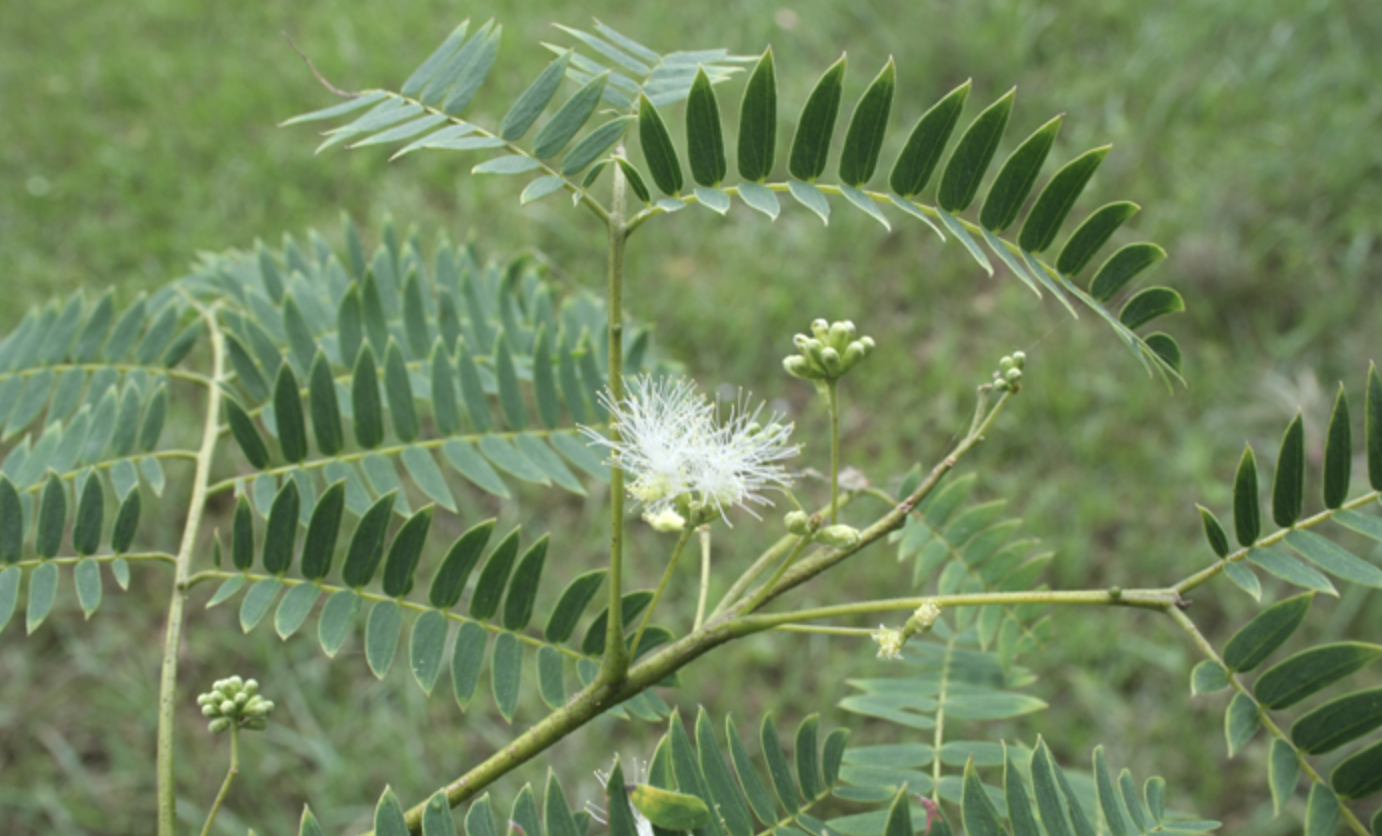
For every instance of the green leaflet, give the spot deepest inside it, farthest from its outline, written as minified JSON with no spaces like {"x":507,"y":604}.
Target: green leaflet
{"x":288,"y":416}
{"x":811,"y":144}
{"x":1122,"y":267}
{"x":503,"y":453}
{"x":705,"y":144}
{"x":366,"y":406}
{"x":621,"y":821}
{"x":326,"y":410}
{"x":87,"y":575}
{"x":571,"y":605}
{"x":1241,"y":722}
{"x":1311,"y":671}
{"x":1359,"y":775}
{"x":634,"y":179}
{"x":280,"y":536}
{"x":381,"y":636}
{"x":349,"y":325}
{"x":1283,"y":772}
{"x":338,"y":614}
{"x":1115,"y":814}
{"x":728,"y":801}
{"x":1339,"y":721}
{"x":11,"y":522}
{"x":1372,"y":424}
{"x":505,"y":673}
{"x":569,"y":118}
{"x":257,"y":602}
{"x":1270,"y":629}
{"x":474,"y":71}
{"x":811,"y":197}
{"x":1244,"y":578}
{"x":1322,"y":812}
{"x":868,"y":128}
{"x":670,"y":810}
{"x":43,"y":591}
{"x":436,"y":816}
{"x":758,"y":122}
{"x":1054,"y":203}
{"x":1247,"y":517}
{"x":463,"y":456}
{"x":1288,"y":484}
{"x":472,"y":392}
{"x":1091,"y":235}
{"x":594,"y":144}
{"x":1148,"y":305}
{"x":778,"y":770}
{"x":1334,"y":559}
{"x":301,"y":343}
{"x":1213,"y":531}
{"x":425,"y":648}
{"x":557,"y":817}
{"x":156,"y":339}
{"x":980,"y":815}
{"x":534,"y":99}
{"x":242,"y":539}
{"x":451,"y":577}
{"x":467,"y":655}
{"x":86,"y":528}
{"x":489,"y":587}
{"x":400,"y":393}
{"x":754,"y":791}
{"x":416,"y":332}
{"x":540,"y":188}
{"x":423,"y":469}
{"x":808,"y":758}
{"x":535,"y":450}
{"x":1017,"y":177}
{"x":405,"y":552}
{"x":1207,"y":677}
{"x":9,"y":593}
{"x":522,"y":595}
{"x":972,"y":155}
{"x":1338,"y":453}
{"x":152,"y":426}
{"x":388,"y":815}
{"x":93,"y":334}
{"x":510,"y":396}
{"x":544,"y":380}
{"x":367,"y":544}
{"x":833,"y":754}
{"x":1054,"y":812}
{"x":551,"y":681}
{"x":1015,"y":794}
{"x":52,"y":518}
{"x":658,"y":151}
{"x":294,"y":609}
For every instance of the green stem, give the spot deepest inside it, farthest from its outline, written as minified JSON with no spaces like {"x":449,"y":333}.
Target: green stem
{"x":159,"y":557}
{"x":616,"y":661}
{"x":802,"y":542}
{"x":832,"y":387}
{"x":938,"y":737}
{"x":230,"y":777}
{"x":705,"y":576}
{"x":662,"y":584}
{"x":1188,"y":625}
{"x":168,"y":679}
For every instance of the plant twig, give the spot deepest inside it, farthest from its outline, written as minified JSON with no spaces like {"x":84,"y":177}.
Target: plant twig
{"x":230,"y":778}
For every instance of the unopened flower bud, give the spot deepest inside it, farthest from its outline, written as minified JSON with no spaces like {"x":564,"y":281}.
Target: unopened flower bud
{"x":1006,"y":363}
{"x":841,"y":333}
{"x":1019,"y":359}
{"x":251,"y":686}
{"x":798,"y":523}
{"x":665,"y":521}
{"x":228,"y":707}
{"x":820,"y":328}
{"x":219,"y":725}
{"x":1001,"y":386}
{"x":798,"y":366}
{"x":1013,"y":375}
{"x":830,"y":358}
{"x":839,"y":536}
{"x":209,"y":710}
{"x":923,"y":619}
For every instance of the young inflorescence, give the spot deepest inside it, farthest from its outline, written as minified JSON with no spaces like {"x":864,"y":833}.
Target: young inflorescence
{"x":679,"y":454}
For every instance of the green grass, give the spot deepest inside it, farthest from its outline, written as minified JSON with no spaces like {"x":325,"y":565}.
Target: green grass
{"x":138,"y":134}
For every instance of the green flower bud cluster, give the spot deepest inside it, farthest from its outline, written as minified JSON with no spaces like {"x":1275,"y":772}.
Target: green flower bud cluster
{"x":235,"y":701}
{"x":1009,"y":374}
{"x":829,"y":353}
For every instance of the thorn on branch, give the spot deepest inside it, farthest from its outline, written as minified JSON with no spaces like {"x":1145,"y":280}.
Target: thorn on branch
{"x":320,"y":78}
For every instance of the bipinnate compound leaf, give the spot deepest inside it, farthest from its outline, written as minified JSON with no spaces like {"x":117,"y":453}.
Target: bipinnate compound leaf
{"x":367,"y":544}
{"x":1288,"y":485}
{"x":506,"y":668}
{"x":1056,"y":200}
{"x":280,"y":534}
{"x":1260,"y":637}
{"x":816,"y":125}
{"x":1016,"y":178}
{"x":658,"y":151}
{"x":1338,"y":453}
{"x":1091,"y":235}
{"x":52,"y":518}
{"x":522,"y":594}
{"x":1247,"y":514}
{"x":670,"y":810}
{"x":1311,"y":671}
{"x":381,"y":636}
{"x":1241,"y":722}
{"x":1121,"y":268}
{"x":489,"y":587}
{"x":460,"y":560}
{"x":1283,"y":771}
{"x":1149,"y":304}
{"x":980,"y":815}
{"x":1207,"y":677}
{"x":569,"y":118}
{"x":705,"y":145}
{"x":867,"y":129}
{"x":404,"y":553}
{"x":87,"y":576}
{"x":1359,"y":775}
{"x":323,"y":530}
{"x":1323,"y":814}
{"x":972,"y":156}
{"x":531,"y":103}
{"x":758,"y":121}
{"x":1339,"y":721}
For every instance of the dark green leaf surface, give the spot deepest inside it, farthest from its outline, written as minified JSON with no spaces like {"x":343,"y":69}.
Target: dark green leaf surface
{"x":868,"y":128}
{"x":1017,"y":177}
{"x":1241,"y":722}
{"x":1283,"y":771}
{"x":1050,"y":802}
{"x":1110,"y":802}
{"x":1288,"y":485}
{"x":86,"y":528}
{"x":478,"y":821}
{"x":11,"y":523}
{"x":728,"y":801}
{"x":1359,"y":775}
{"x":1091,"y":235}
{"x":778,"y":769}
{"x":522,"y":595}
{"x":571,"y":605}
{"x":367,"y":407}
{"x":242,"y":541}
{"x":569,"y":118}
{"x":754,"y":790}
{"x":634,"y":180}
{"x":489,"y":588}
{"x":811,"y":144}
{"x":1270,"y":629}
{"x":1322,"y":812}
{"x":388,"y":816}
{"x":1338,"y":453}
{"x":280,"y":535}
{"x":52,"y":518}
{"x":436,"y":816}
{"x":381,"y":636}
{"x":1149,"y":304}
{"x":705,"y":144}
{"x":1372,"y":427}
{"x":404,"y":553}
{"x":456,"y":567}
{"x":400,"y":391}
{"x":505,"y":673}
{"x":926,"y":143}
{"x":1338,"y":721}
{"x":367,"y":544}
{"x":1213,"y":531}
{"x":1122,"y":267}
{"x":530,"y":105}
{"x":288,"y":416}
{"x":1247,"y":515}
{"x":323,"y":530}
{"x":972,"y":155}
{"x":658,"y":151}
{"x":808,"y":758}
{"x":758,"y":121}
{"x":326,"y":410}
{"x":1311,"y":671}
{"x":1054,"y":203}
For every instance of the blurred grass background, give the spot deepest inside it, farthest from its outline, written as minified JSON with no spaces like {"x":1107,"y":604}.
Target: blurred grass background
{"x":139,"y":133}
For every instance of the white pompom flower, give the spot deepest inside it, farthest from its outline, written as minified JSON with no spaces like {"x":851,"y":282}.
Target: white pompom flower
{"x":675,"y":449}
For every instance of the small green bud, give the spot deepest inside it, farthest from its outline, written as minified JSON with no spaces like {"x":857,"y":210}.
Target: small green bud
{"x":219,"y":725}
{"x":798,"y":523}
{"x":228,"y":707}
{"x":1013,"y":375}
{"x":251,"y":686}
{"x":798,"y":366}
{"x":1006,"y":363}
{"x":236,"y":682}
{"x":1001,"y":386}
{"x":830,"y":358}
{"x":839,"y":536}
{"x":209,"y":710}
{"x":820,"y":328}
{"x":841,"y":333}
{"x":1019,"y":359}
